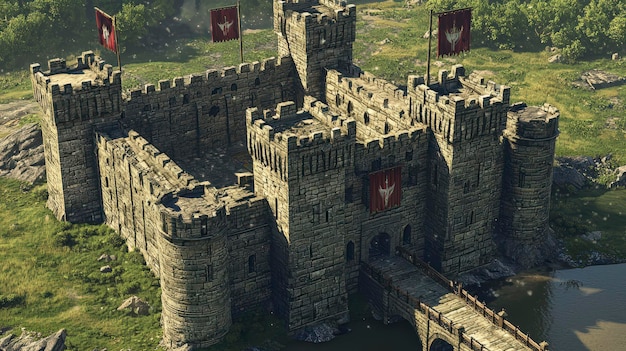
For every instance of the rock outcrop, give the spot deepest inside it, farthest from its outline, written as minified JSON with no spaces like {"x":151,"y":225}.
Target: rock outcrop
{"x":30,"y":341}
{"x":21,"y":155}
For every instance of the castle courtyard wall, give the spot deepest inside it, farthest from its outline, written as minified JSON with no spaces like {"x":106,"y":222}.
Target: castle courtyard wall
{"x":184,"y":116}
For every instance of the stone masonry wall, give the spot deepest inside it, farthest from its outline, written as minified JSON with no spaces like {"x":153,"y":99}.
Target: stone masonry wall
{"x":529,"y":154}
{"x":293,"y":160}
{"x":184,"y":116}
{"x":467,"y":118}
{"x":318,"y":36}
{"x":386,"y":139}
{"x":73,"y":106}
{"x":199,"y":259}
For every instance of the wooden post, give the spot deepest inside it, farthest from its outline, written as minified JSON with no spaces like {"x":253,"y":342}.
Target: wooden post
{"x":117,"y":43}
{"x":430,"y":38}
{"x":240,"y":32}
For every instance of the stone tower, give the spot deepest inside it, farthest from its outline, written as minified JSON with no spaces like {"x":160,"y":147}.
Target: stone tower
{"x":194,"y":270}
{"x":299,"y":159}
{"x":530,"y":139}
{"x":466,"y":116}
{"x":74,"y":105}
{"x":318,"y":35}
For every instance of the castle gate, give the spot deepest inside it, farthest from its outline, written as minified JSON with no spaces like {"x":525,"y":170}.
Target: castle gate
{"x":444,"y":315}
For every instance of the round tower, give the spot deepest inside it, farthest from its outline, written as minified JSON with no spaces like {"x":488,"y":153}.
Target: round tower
{"x":193,"y":266}
{"x":529,"y":143}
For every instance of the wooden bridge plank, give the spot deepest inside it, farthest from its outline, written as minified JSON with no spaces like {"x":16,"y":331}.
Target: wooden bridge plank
{"x":408,"y":279}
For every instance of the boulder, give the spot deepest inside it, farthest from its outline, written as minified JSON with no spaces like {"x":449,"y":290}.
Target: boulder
{"x":21,"y":155}
{"x":555,"y":58}
{"x":317,"y":333}
{"x":135,"y":305}
{"x":30,"y":341}
{"x":106,"y":269}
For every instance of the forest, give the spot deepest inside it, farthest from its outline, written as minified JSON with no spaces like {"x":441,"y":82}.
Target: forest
{"x":29,"y":28}
{"x":581,"y":28}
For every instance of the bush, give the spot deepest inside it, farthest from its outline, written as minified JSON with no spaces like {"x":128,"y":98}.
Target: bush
{"x":11,"y":300}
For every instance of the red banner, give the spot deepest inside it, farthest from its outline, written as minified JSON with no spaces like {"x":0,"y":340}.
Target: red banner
{"x":224,"y":24}
{"x":385,"y":189}
{"x":454,"y":32}
{"x":106,"y":30}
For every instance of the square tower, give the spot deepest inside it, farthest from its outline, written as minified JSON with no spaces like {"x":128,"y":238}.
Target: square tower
{"x":318,"y":35}
{"x":299,"y":167}
{"x":75,"y":101}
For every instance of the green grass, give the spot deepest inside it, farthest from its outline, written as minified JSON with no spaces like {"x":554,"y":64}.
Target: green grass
{"x":62,"y":285}
{"x":50,"y":278}
{"x":591,"y":210}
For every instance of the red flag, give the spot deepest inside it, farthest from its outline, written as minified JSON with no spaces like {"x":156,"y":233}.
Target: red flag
{"x":454,"y":32}
{"x":385,"y":189}
{"x":106,"y":30}
{"x":225,"y":24}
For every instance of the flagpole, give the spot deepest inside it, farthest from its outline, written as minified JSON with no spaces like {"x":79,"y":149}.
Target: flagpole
{"x":240,"y":33}
{"x":430,"y":38}
{"x":117,"y":43}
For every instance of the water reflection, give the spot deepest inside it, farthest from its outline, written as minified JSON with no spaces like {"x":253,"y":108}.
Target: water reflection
{"x":576,"y":309}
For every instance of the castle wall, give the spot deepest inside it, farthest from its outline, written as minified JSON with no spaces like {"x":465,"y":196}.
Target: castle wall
{"x":318,"y":35}
{"x":249,"y":236}
{"x":73,"y":106}
{"x":187,"y":115}
{"x":466,"y":117}
{"x":386,"y":139}
{"x":203,"y":261}
{"x":530,"y":139}
{"x":301,"y":172}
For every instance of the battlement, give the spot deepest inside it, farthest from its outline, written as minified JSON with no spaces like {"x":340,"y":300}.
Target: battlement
{"x":396,"y":142}
{"x":90,"y":72}
{"x":295,"y":129}
{"x":457,"y":94}
{"x":192,"y":214}
{"x":213,"y":79}
{"x":89,"y":89}
{"x":539,"y":123}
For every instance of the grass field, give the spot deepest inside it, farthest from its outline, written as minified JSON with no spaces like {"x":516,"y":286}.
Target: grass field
{"x":49,"y":275}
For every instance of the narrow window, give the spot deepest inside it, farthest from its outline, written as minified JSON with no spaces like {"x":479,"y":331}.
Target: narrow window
{"x":214,"y":111}
{"x":408,"y":156}
{"x":348,"y":195}
{"x":522,"y":178}
{"x":186,"y":99}
{"x":406,"y":236}
{"x":209,"y":273}
{"x":257,"y":81}
{"x":252,"y":264}
{"x":233,"y":87}
{"x":350,"y":251}
{"x":203,"y":227}
{"x":275,"y":207}
{"x":366,"y":118}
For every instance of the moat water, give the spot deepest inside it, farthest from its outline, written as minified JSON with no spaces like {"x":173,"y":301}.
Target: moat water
{"x":575,"y":310}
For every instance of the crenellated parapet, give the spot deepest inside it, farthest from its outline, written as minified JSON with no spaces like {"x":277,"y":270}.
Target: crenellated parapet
{"x":459,"y":108}
{"x":214,"y":81}
{"x":89,"y":89}
{"x":318,"y":35}
{"x":530,"y":124}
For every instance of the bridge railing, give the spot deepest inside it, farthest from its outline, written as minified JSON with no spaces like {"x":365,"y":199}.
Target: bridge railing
{"x":472,"y":301}
{"x":431,"y":313}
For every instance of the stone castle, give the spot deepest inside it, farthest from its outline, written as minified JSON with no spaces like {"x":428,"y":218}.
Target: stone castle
{"x":268,"y":183}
